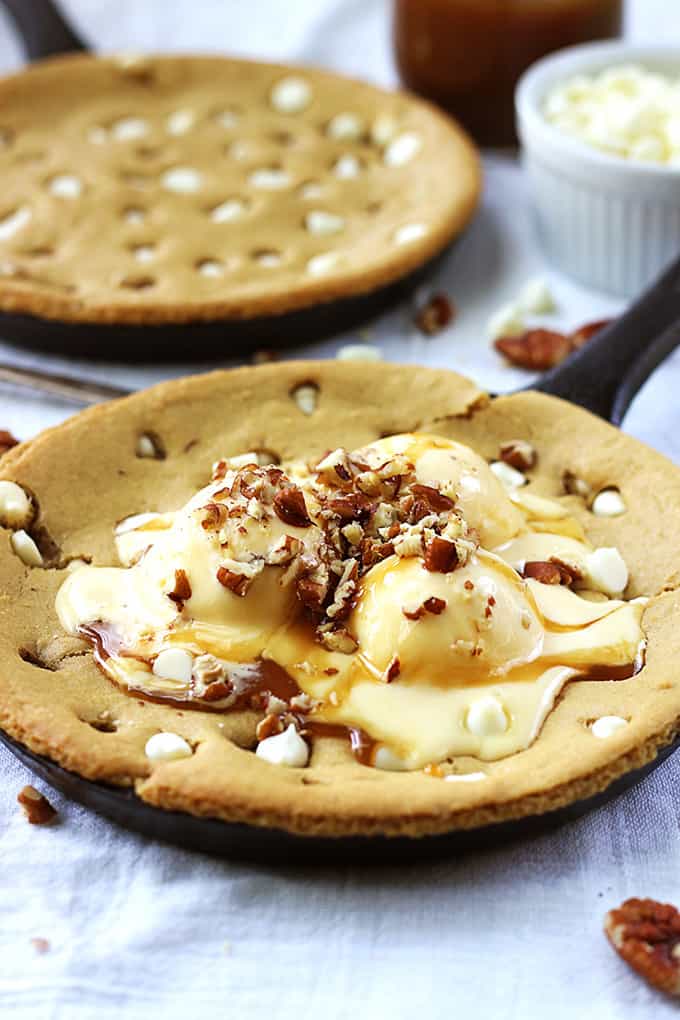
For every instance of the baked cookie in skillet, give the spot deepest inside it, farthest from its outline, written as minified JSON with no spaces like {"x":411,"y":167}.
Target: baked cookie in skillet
{"x":178,"y":189}
{"x":466,"y":605}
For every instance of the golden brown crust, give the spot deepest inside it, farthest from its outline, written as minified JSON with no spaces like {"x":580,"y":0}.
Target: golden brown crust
{"x":72,"y":714}
{"x":75,"y":260}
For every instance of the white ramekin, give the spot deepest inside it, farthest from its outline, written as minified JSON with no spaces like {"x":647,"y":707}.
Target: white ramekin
{"x":609,"y":222}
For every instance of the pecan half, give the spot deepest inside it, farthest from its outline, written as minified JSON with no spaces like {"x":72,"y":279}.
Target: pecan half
{"x":36,"y":807}
{"x":583,"y":334}
{"x":646,"y":934}
{"x":182,"y":590}
{"x":290,"y":507}
{"x":536,"y":350}
{"x":7,"y":441}
{"x":441,"y":556}
{"x":435,"y":315}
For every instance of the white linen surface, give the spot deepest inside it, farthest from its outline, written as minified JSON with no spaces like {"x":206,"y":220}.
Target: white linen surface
{"x":135,"y":927}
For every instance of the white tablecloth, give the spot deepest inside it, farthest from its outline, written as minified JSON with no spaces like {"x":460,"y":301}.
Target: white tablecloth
{"x":136,"y":928}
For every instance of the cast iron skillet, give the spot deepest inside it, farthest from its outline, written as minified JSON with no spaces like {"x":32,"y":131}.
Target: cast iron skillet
{"x":602,"y":377}
{"x":44,"y":33}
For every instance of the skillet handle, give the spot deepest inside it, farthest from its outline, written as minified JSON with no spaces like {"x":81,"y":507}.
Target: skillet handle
{"x":623,"y":355}
{"x":43,"y":29}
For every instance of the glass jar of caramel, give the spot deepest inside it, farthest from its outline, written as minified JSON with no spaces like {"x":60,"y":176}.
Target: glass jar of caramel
{"x":467,"y":55}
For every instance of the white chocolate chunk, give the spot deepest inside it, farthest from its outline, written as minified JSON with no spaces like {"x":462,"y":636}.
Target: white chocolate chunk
{"x":291,"y":95}
{"x":174,"y":664}
{"x":402,"y":149}
{"x":310,"y":189}
{"x":409,"y":232}
{"x":269,"y":179}
{"x":486,"y":717}
{"x":268,"y":259}
{"x":128,"y":129}
{"x":306,"y":396}
{"x":287,"y":748}
{"x":388,"y":761}
{"x":179,"y":122}
{"x":347,"y":167}
{"x":536,"y":297}
{"x":606,"y":571}
{"x":465,"y":777}
{"x":348,"y":127}
{"x":146,"y":446}
{"x":134,"y":216}
{"x":210,"y":267}
{"x":323,"y":263}
{"x":144,"y":252}
{"x":15,"y":505}
{"x":182,"y":179}
{"x":507,"y":475}
{"x":383,"y":129}
{"x":14,"y":222}
{"x":167,"y":747}
{"x":359,"y":352}
{"x":26,"y":549}
{"x":507,"y":321}
{"x":608,"y":503}
{"x":607,"y":726}
{"x":228,"y":211}
{"x":65,"y":186}
{"x":322,"y":223}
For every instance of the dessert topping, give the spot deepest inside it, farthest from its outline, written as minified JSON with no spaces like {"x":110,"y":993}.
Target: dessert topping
{"x":646,"y":934}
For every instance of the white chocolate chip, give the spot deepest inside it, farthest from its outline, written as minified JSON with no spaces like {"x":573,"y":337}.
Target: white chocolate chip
{"x":15,"y":505}
{"x":322,"y":223}
{"x":359,"y":352}
{"x":128,"y":129}
{"x":268,"y":259}
{"x":383,"y":129}
{"x":179,"y":122}
{"x":228,"y":211}
{"x":135,"y":521}
{"x":346,"y":167}
{"x":606,"y":571}
{"x":287,"y":748}
{"x":608,"y":503}
{"x":536,"y":297}
{"x":146,"y":446}
{"x":269,"y":179}
{"x":306,"y":396}
{"x":134,"y":216}
{"x":409,"y":232}
{"x":210,"y":267}
{"x":167,"y":747}
{"x":508,"y":476}
{"x":507,"y":321}
{"x":348,"y":127}
{"x":65,"y":186}
{"x":144,"y":252}
{"x":402,"y":149}
{"x":291,"y":95}
{"x":174,"y":664}
{"x":465,"y":777}
{"x":388,"y":761}
{"x":182,"y":179}
{"x":14,"y":222}
{"x":26,"y":549}
{"x":486,"y":717}
{"x":310,"y":189}
{"x":323,"y":263}
{"x":607,"y":726}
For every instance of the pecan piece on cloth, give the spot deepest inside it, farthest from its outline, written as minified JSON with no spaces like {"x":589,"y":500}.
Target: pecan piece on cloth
{"x":646,"y":934}
{"x":36,"y":807}
{"x":536,"y":350}
{"x":7,"y":441}
{"x":434,"y":315}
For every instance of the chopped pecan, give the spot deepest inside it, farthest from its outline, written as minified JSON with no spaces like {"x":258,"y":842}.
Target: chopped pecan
{"x":575,"y":486}
{"x":37,"y":808}
{"x":435,"y":315}
{"x":352,"y":506}
{"x":236,"y":583}
{"x":441,"y":556}
{"x":290,"y":507}
{"x":338,"y":640}
{"x":182,"y":590}
{"x":583,"y":334}
{"x":218,"y":689}
{"x":312,"y":593}
{"x":542,"y":571}
{"x":283,"y":551}
{"x":436,"y":501}
{"x":569,"y":571}
{"x":536,"y":350}
{"x":433,"y":605}
{"x":40,"y":945}
{"x":646,"y":934}
{"x":393,"y":670}
{"x":7,"y":441}
{"x":215,"y":516}
{"x":518,"y":454}
{"x":270,"y":725}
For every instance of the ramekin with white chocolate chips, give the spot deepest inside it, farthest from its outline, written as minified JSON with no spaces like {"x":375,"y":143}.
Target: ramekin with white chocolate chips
{"x":405,"y":596}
